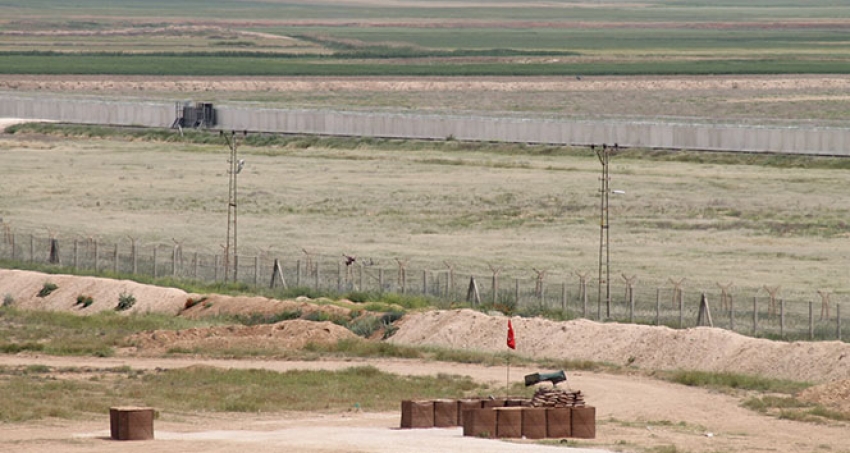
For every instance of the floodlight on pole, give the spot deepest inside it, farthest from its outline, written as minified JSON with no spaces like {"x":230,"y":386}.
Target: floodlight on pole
{"x":235,"y":167}
{"x":604,"y":155}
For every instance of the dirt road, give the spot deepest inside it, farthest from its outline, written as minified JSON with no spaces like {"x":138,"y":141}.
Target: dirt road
{"x":634,"y":413}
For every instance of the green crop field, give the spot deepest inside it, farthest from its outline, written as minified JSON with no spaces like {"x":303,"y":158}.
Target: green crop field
{"x":407,"y":38}
{"x":258,"y":65}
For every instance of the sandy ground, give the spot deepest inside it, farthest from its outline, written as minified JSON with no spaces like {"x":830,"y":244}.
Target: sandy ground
{"x":632,"y":411}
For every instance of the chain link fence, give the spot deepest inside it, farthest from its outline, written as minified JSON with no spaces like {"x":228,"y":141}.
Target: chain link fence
{"x":761,"y":312}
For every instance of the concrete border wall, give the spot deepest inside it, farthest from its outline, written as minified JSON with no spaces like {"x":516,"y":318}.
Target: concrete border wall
{"x":664,"y":135}
{"x":87,"y":111}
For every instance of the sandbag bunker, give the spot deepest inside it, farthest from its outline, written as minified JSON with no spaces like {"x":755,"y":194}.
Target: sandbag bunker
{"x":550,"y":413}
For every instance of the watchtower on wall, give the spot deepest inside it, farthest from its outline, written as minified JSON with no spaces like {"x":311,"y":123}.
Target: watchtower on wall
{"x":199,"y":115}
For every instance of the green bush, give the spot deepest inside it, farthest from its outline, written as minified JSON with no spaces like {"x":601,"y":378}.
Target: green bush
{"x":125,"y":301}
{"x":8,"y":300}
{"x":360,"y":296}
{"x":84,"y":300}
{"x":365,"y":326}
{"x":259,"y":318}
{"x":47,"y":289}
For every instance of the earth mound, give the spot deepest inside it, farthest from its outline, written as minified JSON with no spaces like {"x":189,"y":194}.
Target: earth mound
{"x":217,"y":305}
{"x":647,"y":347}
{"x":285,"y":335}
{"x":23,"y":288}
{"x":833,"y":395}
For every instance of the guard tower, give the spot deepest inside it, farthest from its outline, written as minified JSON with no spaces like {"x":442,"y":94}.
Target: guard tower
{"x":199,"y":115}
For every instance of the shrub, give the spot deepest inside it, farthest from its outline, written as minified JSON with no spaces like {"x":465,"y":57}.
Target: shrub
{"x":259,"y":318}
{"x":8,"y":300}
{"x":365,"y":326}
{"x":360,"y":296}
{"x":84,"y":300}
{"x":47,"y":289}
{"x":125,"y":301}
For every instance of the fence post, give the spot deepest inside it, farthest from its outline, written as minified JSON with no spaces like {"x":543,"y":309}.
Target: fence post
{"x":657,"y":306}
{"x":731,"y":314}
{"x":257,"y":270}
{"x":838,"y":320}
{"x":297,"y":273}
{"x":235,"y":268}
{"x":584,"y":302}
{"x":564,"y":296}
{"x":811,"y":320}
{"x":76,"y":246}
{"x":32,"y":248}
{"x":755,"y":315}
{"x":494,"y":285}
{"x":115,"y":259}
{"x":154,"y":259}
{"x":174,"y":262}
{"x":782,"y":317}
{"x":13,"y":245}
{"x":543,"y":295}
{"x":95,"y":255}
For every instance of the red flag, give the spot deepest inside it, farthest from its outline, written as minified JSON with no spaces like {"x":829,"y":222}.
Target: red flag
{"x":511,"y":338}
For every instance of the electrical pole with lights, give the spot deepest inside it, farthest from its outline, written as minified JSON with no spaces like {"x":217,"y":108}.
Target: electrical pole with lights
{"x":235,"y":164}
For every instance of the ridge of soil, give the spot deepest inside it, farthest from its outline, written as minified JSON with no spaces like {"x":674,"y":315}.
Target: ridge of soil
{"x":649,"y":347}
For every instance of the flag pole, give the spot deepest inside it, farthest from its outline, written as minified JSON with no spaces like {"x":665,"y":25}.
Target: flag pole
{"x":508,"y":381}
{"x":511,"y":345}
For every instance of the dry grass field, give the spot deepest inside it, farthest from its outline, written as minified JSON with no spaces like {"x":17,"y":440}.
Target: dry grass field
{"x":773,"y":99}
{"x":750,"y":224}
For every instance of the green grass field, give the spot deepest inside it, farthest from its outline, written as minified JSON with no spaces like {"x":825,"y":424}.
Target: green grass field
{"x":253,"y":65}
{"x":406,"y":38}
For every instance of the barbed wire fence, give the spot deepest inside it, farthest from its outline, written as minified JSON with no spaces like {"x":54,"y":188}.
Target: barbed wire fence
{"x":677,"y":302}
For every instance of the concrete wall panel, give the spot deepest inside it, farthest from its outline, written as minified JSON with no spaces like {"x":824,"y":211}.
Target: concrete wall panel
{"x":794,"y":140}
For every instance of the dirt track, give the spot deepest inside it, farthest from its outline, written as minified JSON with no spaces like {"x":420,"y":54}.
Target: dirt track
{"x":107,"y":84}
{"x":631,"y":411}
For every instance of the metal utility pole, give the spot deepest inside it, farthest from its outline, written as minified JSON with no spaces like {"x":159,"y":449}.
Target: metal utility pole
{"x":231,"y":249}
{"x":604,"y":249}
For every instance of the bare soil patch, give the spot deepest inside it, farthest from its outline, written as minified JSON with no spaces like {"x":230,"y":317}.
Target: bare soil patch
{"x":293,"y":334}
{"x":106,"y":83}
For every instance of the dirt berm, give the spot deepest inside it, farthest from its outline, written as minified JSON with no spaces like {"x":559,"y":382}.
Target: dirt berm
{"x":648,"y":347}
